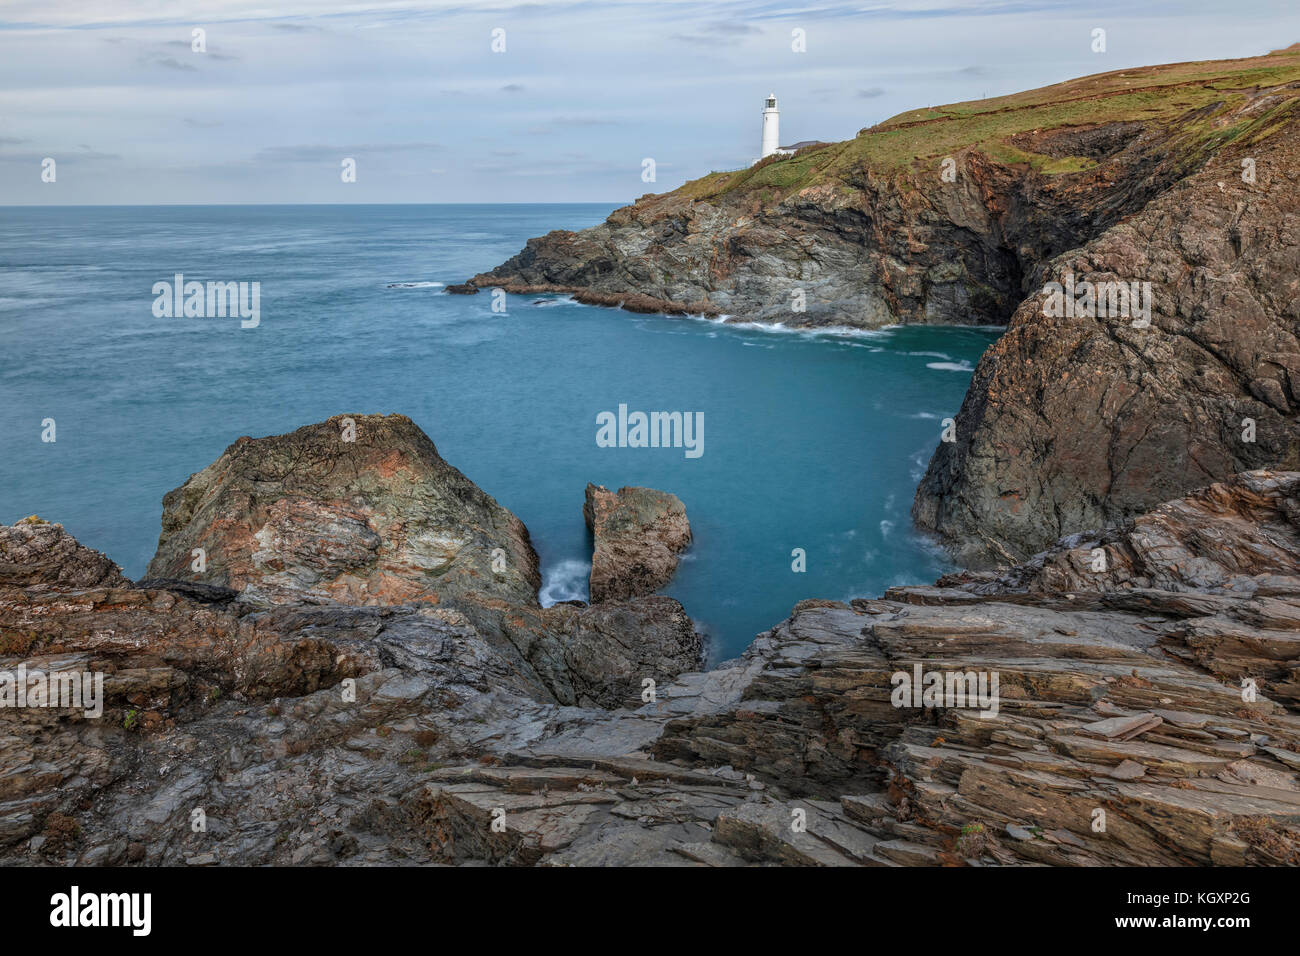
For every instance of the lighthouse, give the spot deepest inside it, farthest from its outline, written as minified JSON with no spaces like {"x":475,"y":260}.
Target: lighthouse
{"x":771,"y":127}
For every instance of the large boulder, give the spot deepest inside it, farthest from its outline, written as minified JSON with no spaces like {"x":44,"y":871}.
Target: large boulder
{"x":358,"y":509}
{"x":639,"y":533}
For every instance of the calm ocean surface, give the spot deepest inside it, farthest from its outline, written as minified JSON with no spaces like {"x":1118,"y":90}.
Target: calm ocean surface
{"x":810,"y":441}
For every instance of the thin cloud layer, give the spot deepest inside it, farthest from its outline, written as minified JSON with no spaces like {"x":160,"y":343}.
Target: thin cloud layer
{"x":510,"y":102}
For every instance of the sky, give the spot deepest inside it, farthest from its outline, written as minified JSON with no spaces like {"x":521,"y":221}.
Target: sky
{"x":284,"y":91}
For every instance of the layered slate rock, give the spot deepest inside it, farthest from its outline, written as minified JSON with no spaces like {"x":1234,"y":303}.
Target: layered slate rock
{"x":358,"y":509}
{"x":1236,"y":537}
{"x":638,"y":533}
{"x":1147,"y":715}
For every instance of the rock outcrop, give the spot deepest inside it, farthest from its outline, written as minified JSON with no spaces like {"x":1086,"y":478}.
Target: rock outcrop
{"x":1075,"y":422}
{"x":357,"y":509}
{"x":1144,"y":713}
{"x":638,"y":534}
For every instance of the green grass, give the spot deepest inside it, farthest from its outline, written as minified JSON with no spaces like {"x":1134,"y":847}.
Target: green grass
{"x":1169,"y":94}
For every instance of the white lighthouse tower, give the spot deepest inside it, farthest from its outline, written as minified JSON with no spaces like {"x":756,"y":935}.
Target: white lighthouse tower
{"x":771,"y":127}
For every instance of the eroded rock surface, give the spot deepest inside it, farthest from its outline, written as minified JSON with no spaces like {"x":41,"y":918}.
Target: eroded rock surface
{"x":638,"y":533}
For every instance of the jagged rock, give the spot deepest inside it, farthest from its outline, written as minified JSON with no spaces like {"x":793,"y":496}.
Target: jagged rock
{"x":613,"y":647}
{"x":359,"y":509}
{"x":35,"y":554}
{"x":1128,"y":770}
{"x":638,"y":532}
{"x":1192,"y":560}
{"x":1121,"y":728}
{"x":1239,"y":535}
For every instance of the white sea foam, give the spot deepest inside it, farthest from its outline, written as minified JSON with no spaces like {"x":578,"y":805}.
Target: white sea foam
{"x":415,"y":285}
{"x":779,"y":328}
{"x":566,"y":581}
{"x":920,"y":461}
{"x":551,"y":303}
{"x":951,"y":366}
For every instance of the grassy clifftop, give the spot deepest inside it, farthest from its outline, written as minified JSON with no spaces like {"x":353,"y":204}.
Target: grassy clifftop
{"x":1195,"y":99}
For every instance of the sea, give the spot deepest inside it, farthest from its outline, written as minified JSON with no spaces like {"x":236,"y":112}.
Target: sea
{"x":812,"y":442}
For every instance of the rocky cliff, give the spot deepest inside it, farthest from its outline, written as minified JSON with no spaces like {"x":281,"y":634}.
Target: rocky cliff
{"x":1143,"y":711}
{"x":1179,"y":178}
{"x":1075,"y":421}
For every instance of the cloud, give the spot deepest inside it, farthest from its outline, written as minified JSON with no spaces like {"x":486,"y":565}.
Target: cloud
{"x":59,"y":156}
{"x":584,"y":121}
{"x":170,"y":62}
{"x":719,"y":33}
{"x":187,"y":46}
{"x":871,"y":93}
{"x":176,"y":55}
{"x":512,"y":88}
{"x":317,"y":154}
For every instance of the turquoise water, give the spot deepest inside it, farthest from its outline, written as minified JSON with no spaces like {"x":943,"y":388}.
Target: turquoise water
{"x":810,"y":441}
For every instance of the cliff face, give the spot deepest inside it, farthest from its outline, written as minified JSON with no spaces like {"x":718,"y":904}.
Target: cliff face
{"x":1072,"y":422}
{"x":1144,"y":713}
{"x":1180,"y":179}
{"x":873,"y":247}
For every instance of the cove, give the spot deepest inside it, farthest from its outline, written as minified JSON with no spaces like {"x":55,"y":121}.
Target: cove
{"x":815,"y":441}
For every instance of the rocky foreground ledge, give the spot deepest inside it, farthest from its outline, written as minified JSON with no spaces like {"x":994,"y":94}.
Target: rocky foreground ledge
{"x":353,"y":676}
